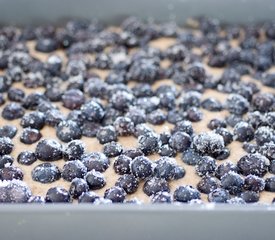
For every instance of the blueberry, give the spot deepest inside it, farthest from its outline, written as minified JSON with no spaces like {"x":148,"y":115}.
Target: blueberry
{"x":37,"y":199}
{"x":270,"y":184}
{"x":154,"y":185}
{"x":95,"y":180}
{"x":164,"y":137}
{"x":250,"y":196}
{"x":270,"y":119}
{"x":263,"y":102}
{"x":193,"y":114}
{"x":124,"y":126}
{"x":136,"y":114}
{"x":219,"y":195}
{"x":254,"y":183}
{"x":34,"y":120}
{"x":54,"y":93}
{"x":16,"y":94}
{"x":183,"y":126}
{"x":206,"y":165}
{"x":2,"y":99}
{"x":143,"y":129}
{"x":149,"y":143}
{"x":5,"y":83}
{"x":93,"y":111}
{"x":30,"y":135}
{"x":226,"y":134}
{"x":115,"y":194}
{"x":216,"y":123}
{"x":269,"y":80}
{"x":250,"y":147}
{"x":6,"y":160}
{"x":14,"y":191}
{"x":243,"y":131}
{"x":54,"y":117}
{"x":122,"y":100}
{"x":223,"y":154}
{"x":128,"y":182}
{"x":156,"y":117}
{"x":88,"y":197}
{"x":96,"y":160}
{"x":112,"y":149}
{"x":89,"y":129}
{"x":190,"y":99}
{"x":268,"y":150}
{"x":237,"y":104}
{"x":255,"y":164}
{"x":74,"y":150}
{"x":32,"y":100}
{"x":142,"y":90}
{"x":272,"y":166}
{"x":212,"y":105}
{"x":48,"y":150}
{"x":232,"y":120}
{"x":78,"y":187}
{"x":256,"y":119}
{"x":12,"y":111}
{"x":197,"y":73}
{"x":73,"y":169}
{"x":106,"y":134}
{"x":132,"y":153}
{"x":46,"y":45}
{"x":161,"y":197}
{"x":141,"y":167}
{"x":208,"y":143}
{"x":148,"y":104}
{"x":264,"y":135}
{"x":207,"y":184}
{"x":73,"y":99}
{"x":10,"y":173}
{"x":236,"y":200}
{"x":190,"y":157}
{"x":225,"y":168}
{"x":58,"y":195}
{"x":67,"y":131}
{"x":6,"y":145}
{"x":166,"y":150}
{"x":186,"y":194}
{"x":26,"y":157}
{"x":232,"y":182}
{"x":46,"y":173}
{"x":180,"y":141}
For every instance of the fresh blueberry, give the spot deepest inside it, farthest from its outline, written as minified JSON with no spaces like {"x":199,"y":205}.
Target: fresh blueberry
{"x":6,"y":145}
{"x":186,"y":194}
{"x":34,"y":120}
{"x":67,"y":131}
{"x":58,"y":195}
{"x":48,"y":150}
{"x":154,"y":185}
{"x":219,"y":195}
{"x":95,"y":180}
{"x":46,"y":173}
{"x":128,"y":182}
{"x":26,"y":157}
{"x":115,"y":194}
{"x":232,"y":182}
{"x":73,"y":169}
{"x":250,"y":196}
{"x":88,"y":197}
{"x":96,"y":160}
{"x":206,"y":165}
{"x":78,"y":187}
{"x":149,"y":143}
{"x":180,"y":141}
{"x":207,"y":184}
{"x":10,"y":173}
{"x":141,"y":167}
{"x":30,"y":135}
{"x":12,"y":111}
{"x":6,"y":160}
{"x":161,"y":197}
{"x":243,"y":131}
{"x":191,"y":157}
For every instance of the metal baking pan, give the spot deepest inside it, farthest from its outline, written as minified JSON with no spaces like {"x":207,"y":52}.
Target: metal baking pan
{"x":135,"y":222}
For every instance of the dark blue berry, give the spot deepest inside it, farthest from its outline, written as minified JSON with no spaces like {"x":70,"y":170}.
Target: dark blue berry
{"x":186,"y":194}
{"x":219,"y":195}
{"x":95,"y":180}
{"x":73,"y":169}
{"x":26,"y":157}
{"x":128,"y":182}
{"x":46,"y":173}
{"x":96,"y":160}
{"x":141,"y":167}
{"x":78,"y":187}
{"x":154,"y":185}
{"x":30,"y":135}
{"x":207,"y":184}
{"x":58,"y":195}
{"x":48,"y":150}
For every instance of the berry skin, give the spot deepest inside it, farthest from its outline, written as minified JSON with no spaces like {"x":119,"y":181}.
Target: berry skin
{"x":88,"y":197}
{"x":270,"y":184}
{"x":10,"y":173}
{"x":96,"y":160}
{"x":186,"y":194}
{"x":206,"y":165}
{"x":112,"y":149}
{"x":73,"y":169}
{"x":46,"y":173}
{"x":124,"y":126}
{"x":149,"y":143}
{"x":141,"y":167}
{"x":93,"y":111}
{"x":115,"y":194}
{"x":237,"y":104}
{"x":106,"y":134}
{"x":13,"y":111}
{"x":33,"y":120}
{"x":207,"y":184}
{"x":225,"y":168}
{"x":30,"y":136}
{"x":128,"y":182}
{"x":254,"y":183}
{"x":48,"y":150}
{"x":67,"y":131}
{"x":191,"y":157}
{"x":232,"y":182}
{"x":37,"y":199}
{"x":26,"y":158}
{"x":226,"y":134}
{"x":216,"y":123}
{"x":263,"y":102}
{"x":74,"y":150}
{"x":219,"y":195}
{"x":46,"y":45}
{"x":95,"y":180}
{"x":208,"y":143}
{"x":161,"y":197}
{"x":57,"y":195}
{"x":154,"y":185}
{"x":6,"y":145}
{"x":122,"y":164}
{"x":255,"y":164}
{"x":264,"y":135}
{"x":180,"y":141}
{"x":243,"y":131}
{"x":8,"y":131}
{"x":250,"y":196}
{"x":212,"y":105}
{"x":73,"y":99}
{"x":6,"y":160}
{"x":78,"y":186}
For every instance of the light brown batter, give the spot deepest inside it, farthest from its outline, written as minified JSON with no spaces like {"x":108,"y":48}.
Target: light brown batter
{"x":92,"y":144}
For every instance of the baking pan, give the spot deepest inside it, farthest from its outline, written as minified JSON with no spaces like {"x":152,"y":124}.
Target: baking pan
{"x":135,"y":222}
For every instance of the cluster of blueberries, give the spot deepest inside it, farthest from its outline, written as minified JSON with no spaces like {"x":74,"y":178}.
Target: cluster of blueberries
{"x":109,"y":109}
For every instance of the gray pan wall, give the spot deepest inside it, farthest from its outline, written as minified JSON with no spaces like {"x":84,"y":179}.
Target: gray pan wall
{"x":125,"y":222}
